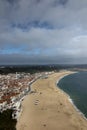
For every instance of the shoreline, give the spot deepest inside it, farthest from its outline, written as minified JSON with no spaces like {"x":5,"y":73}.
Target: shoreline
{"x":66,"y":108}
{"x":69,"y":98}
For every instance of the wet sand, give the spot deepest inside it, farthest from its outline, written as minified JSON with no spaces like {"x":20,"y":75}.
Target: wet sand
{"x":48,"y":108}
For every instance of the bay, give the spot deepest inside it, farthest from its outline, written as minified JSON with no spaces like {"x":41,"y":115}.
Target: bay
{"x":75,"y":85}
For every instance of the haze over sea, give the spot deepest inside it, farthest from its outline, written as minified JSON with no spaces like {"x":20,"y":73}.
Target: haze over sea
{"x":75,"y":85}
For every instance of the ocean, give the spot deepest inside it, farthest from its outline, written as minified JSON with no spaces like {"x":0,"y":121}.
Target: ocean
{"x":75,"y":85}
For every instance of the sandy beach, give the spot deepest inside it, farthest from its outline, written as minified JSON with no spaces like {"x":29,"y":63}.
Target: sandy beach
{"x":48,"y":108}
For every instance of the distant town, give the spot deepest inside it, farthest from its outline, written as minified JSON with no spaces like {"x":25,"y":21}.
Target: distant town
{"x":13,"y":89}
{"x":14,"y":86}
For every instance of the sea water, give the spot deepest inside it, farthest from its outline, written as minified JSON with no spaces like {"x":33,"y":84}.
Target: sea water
{"x":75,"y":85}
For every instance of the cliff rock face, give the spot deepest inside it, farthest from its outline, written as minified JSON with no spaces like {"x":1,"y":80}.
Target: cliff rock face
{"x":6,"y":121}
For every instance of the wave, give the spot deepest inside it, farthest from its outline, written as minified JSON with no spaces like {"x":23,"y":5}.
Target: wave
{"x":69,"y":98}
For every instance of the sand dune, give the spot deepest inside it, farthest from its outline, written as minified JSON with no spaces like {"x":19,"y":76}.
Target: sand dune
{"x":49,"y":108}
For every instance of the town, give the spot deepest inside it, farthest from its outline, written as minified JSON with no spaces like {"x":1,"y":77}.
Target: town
{"x":13,"y":89}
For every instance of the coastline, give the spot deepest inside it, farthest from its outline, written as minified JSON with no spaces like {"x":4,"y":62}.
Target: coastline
{"x":69,"y":98}
{"x":59,"y":111}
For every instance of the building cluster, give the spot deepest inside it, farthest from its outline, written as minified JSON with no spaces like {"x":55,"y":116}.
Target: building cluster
{"x":13,"y":89}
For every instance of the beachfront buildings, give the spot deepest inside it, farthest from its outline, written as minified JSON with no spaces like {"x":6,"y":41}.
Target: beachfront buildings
{"x":14,"y":87}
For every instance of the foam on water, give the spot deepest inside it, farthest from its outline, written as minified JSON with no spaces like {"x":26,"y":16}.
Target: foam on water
{"x":69,"y":98}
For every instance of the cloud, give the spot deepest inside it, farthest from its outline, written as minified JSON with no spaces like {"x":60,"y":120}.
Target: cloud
{"x":49,"y":31}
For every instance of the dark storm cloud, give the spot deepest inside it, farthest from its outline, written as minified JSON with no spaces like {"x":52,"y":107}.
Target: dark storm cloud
{"x":12,"y":1}
{"x":43,"y":31}
{"x":60,"y":2}
{"x":63,"y":2}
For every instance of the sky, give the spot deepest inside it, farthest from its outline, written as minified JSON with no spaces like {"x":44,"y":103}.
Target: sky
{"x":43,"y":32}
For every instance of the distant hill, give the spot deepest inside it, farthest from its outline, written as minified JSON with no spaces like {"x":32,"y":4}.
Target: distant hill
{"x":37,"y":68}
